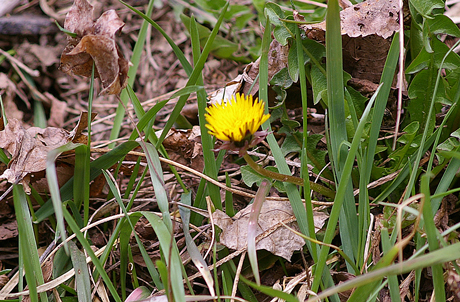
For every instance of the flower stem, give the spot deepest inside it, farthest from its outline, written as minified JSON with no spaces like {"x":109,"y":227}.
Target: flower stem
{"x":287,"y":178}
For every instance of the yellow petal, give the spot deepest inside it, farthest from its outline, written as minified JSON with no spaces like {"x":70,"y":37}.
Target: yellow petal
{"x":236,"y":119}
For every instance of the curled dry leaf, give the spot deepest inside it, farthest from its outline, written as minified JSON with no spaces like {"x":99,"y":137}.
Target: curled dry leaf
{"x":366,"y":29}
{"x":371,"y":17}
{"x":8,"y":92}
{"x":281,"y":242}
{"x":29,"y":148}
{"x":8,"y":229}
{"x":244,"y":83}
{"x":184,"y":147}
{"x":95,"y":42}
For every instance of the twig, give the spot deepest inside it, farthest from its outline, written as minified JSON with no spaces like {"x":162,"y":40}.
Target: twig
{"x":32,"y":72}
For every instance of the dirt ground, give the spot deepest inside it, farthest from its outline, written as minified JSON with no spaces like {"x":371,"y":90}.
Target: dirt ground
{"x":30,"y":81}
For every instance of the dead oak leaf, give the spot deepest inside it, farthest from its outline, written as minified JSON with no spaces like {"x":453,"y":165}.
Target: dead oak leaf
{"x":95,"y":43}
{"x":282,"y":242}
{"x":371,"y":17}
{"x":29,"y":147}
{"x":366,"y":30}
{"x":9,"y":229}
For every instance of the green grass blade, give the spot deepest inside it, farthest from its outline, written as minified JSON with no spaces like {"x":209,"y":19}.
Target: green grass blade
{"x":368,"y":159}
{"x":432,"y":237}
{"x":51,"y":176}
{"x":99,"y":267}
{"x":156,"y":175}
{"x":81,"y":179}
{"x":337,"y":128}
{"x":392,"y":280}
{"x":171,"y":255}
{"x":81,"y":273}
{"x":304,"y":164}
{"x":29,"y":252}
{"x":193,"y":76}
{"x":340,"y":196}
{"x":39,"y":114}
{"x":104,"y":162}
{"x":229,"y":209}
{"x":135,"y":59}
{"x":207,"y":141}
{"x":192,"y":249}
{"x":153,"y":272}
{"x":335,"y":92}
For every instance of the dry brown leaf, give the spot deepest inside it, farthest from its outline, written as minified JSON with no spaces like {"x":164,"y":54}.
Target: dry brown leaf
{"x":366,"y":28}
{"x":244,"y":83}
{"x":8,"y":229}
{"x":95,"y":42}
{"x":29,"y":148}
{"x":371,"y":17}
{"x":8,"y":93}
{"x":76,"y":133}
{"x":64,"y":172}
{"x":281,"y":242}
{"x":184,"y":149}
{"x":58,"y":111}
{"x":342,"y":277}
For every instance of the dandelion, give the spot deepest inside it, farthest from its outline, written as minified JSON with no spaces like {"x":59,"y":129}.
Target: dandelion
{"x":236,"y":122}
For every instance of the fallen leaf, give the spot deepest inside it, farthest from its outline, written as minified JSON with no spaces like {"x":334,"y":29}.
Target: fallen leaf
{"x":8,"y":230}
{"x":183,"y":148}
{"x":366,"y":28}
{"x":371,"y":17}
{"x":64,"y":172}
{"x":47,"y":55}
{"x":76,"y":133}
{"x":339,"y":278}
{"x":282,"y":242}
{"x":8,"y":93}
{"x":95,"y":43}
{"x":247,"y":82}
{"x":29,"y":148}
{"x":57,"y":112}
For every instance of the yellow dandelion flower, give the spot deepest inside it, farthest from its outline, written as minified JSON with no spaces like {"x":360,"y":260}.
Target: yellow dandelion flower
{"x":236,"y":120}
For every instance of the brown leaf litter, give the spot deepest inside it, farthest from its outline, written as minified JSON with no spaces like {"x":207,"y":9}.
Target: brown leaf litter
{"x":367,"y":29}
{"x":184,"y":147}
{"x":95,"y":43}
{"x":281,"y":242}
{"x":29,"y":147}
